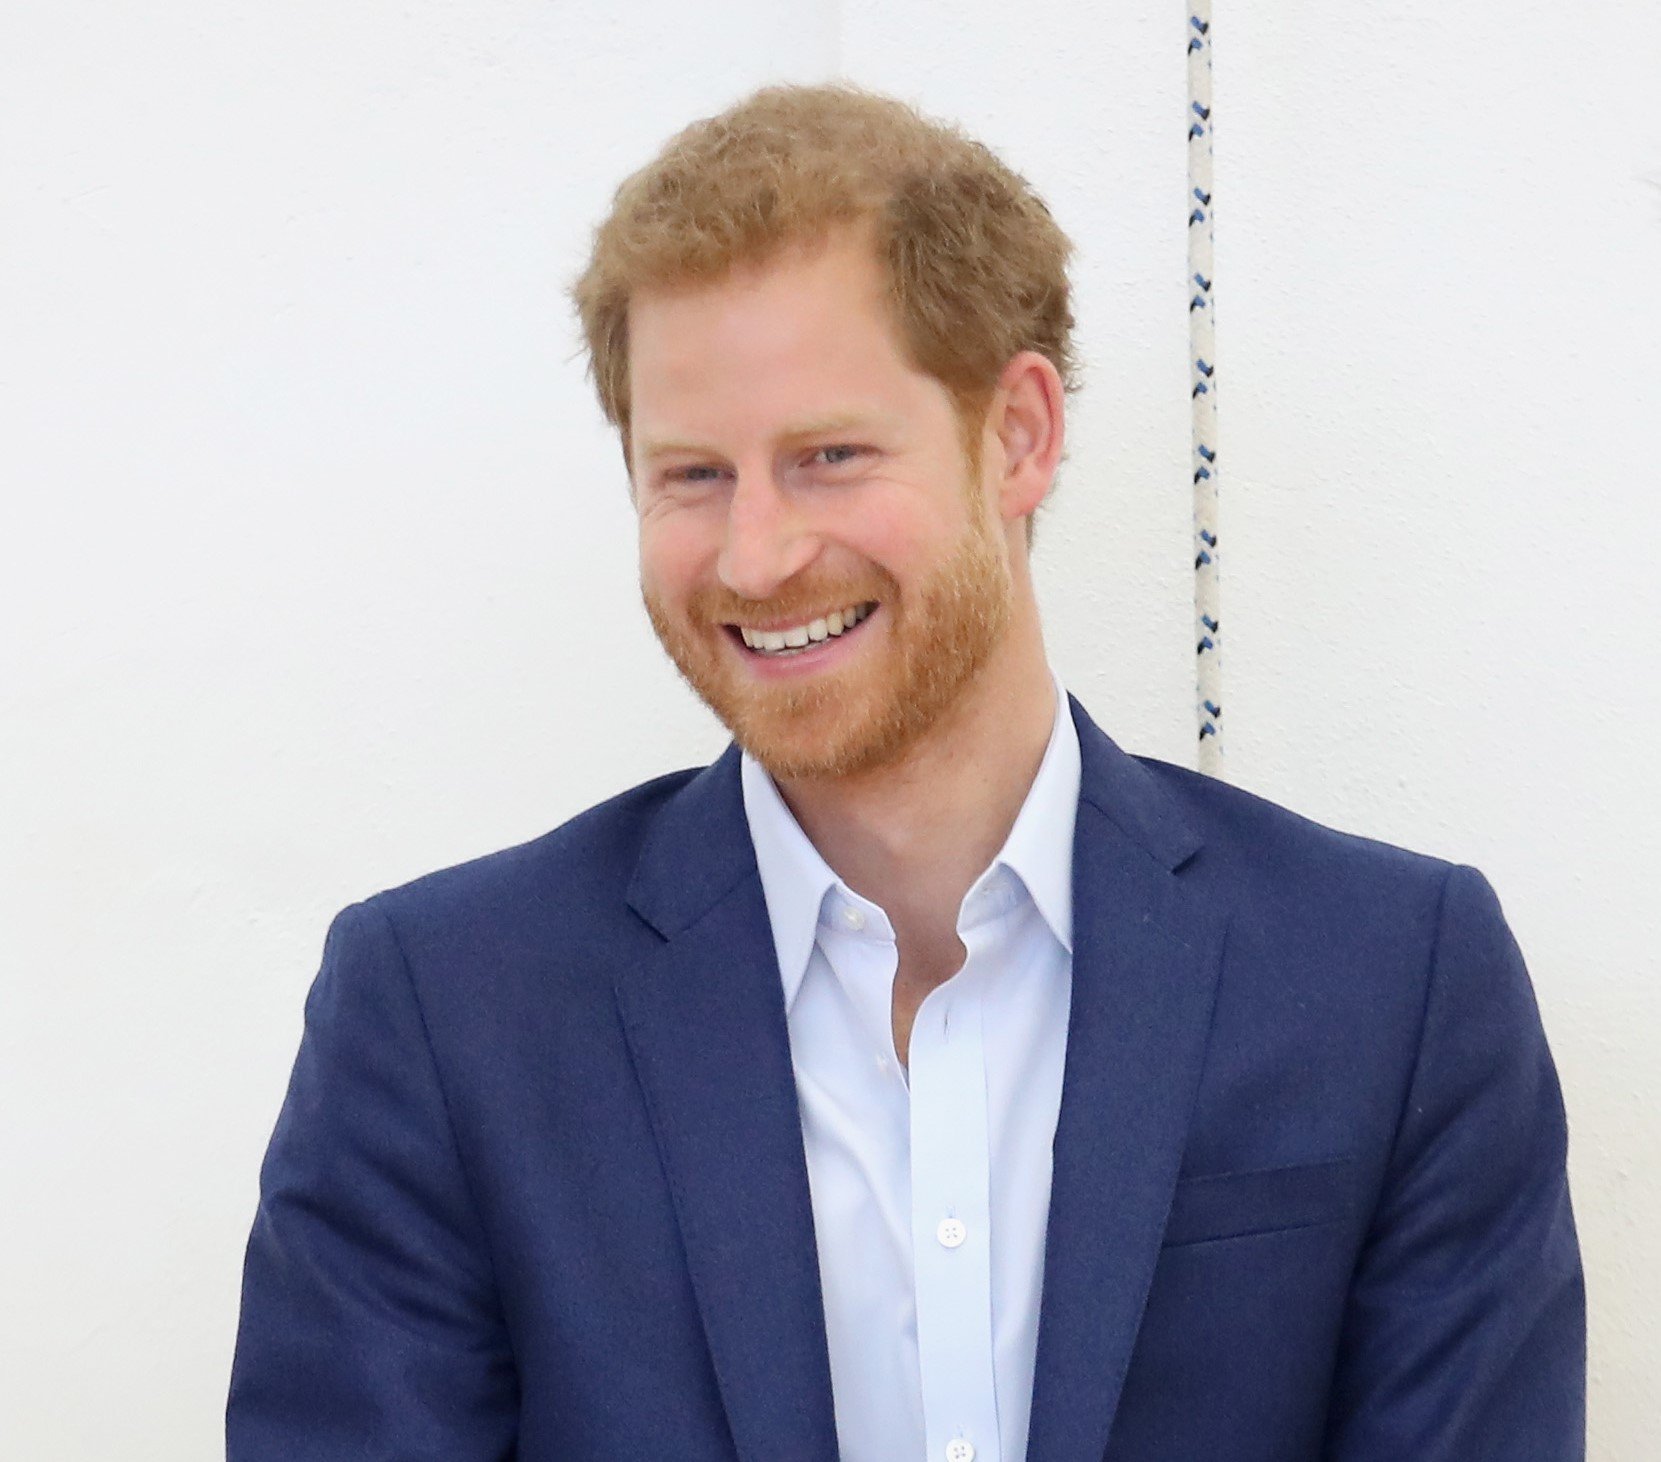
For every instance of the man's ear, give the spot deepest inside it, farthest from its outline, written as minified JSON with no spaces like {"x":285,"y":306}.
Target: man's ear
{"x":1029,"y":417}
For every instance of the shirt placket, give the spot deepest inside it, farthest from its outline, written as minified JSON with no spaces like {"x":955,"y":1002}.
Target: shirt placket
{"x":951,"y":1220}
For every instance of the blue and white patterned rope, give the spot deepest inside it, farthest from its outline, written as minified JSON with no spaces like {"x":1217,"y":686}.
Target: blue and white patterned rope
{"x":1208,"y":635}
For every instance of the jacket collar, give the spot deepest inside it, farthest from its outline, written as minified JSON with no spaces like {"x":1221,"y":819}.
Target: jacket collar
{"x":704,"y":1018}
{"x":1147,"y":951}
{"x":699,"y":846}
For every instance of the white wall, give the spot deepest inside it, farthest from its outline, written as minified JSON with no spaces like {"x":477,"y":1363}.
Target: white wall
{"x":317,"y":569}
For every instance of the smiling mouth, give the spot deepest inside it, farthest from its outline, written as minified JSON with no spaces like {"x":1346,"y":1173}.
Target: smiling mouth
{"x":797,"y":639}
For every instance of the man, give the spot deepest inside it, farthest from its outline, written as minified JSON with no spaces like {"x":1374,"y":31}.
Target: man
{"x":927,"y":1078}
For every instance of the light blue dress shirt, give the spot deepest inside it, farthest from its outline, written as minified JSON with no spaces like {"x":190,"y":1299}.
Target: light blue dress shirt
{"x":930,"y":1191}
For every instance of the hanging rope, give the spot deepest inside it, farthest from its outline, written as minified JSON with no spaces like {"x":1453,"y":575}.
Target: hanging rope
{"x":1203,"y":395}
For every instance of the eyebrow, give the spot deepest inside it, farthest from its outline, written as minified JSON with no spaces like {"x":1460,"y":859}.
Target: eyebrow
{"x":818,"y":426}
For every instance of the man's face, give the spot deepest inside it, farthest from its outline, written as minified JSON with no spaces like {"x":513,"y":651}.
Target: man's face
{"x":795,"y":474}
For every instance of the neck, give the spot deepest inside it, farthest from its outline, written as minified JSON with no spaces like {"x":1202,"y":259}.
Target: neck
{"x":913,"y":835}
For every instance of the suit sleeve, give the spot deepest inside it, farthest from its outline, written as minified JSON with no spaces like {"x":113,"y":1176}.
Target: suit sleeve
{"x":370,"y":1326}
{"x":1465,"y":1334}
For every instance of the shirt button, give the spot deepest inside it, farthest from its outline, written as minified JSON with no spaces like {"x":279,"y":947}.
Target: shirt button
{"x":960,"y":1451}
{"x":853,"y":918}
{"x":951,"y":1233}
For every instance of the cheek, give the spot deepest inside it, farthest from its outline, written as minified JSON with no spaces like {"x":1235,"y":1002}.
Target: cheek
{"x":901,"y":536}
{"x":672,"y":555}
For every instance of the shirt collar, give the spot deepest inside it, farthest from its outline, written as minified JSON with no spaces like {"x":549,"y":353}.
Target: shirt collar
{"x":795,"y":879}
{"x":1039,"y":847}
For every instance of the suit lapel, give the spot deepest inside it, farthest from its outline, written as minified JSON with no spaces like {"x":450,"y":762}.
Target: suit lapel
{"x":1146,"y":951}
{"x":705,"y":1021}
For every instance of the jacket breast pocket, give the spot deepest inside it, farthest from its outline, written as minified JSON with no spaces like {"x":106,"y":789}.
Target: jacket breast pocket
{"x":1269,"y":1200}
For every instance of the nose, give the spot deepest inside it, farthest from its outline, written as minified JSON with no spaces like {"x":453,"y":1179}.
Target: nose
{"x":767,"y":542}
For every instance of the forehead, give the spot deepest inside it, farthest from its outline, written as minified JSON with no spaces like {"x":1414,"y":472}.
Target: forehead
{"x":808,"y":334}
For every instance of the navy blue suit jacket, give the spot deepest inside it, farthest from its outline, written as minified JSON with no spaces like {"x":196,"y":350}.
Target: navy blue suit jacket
{"x":538,"y":1190}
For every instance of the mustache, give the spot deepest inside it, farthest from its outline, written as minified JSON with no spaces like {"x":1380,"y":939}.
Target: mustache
{"x":717,"y":604}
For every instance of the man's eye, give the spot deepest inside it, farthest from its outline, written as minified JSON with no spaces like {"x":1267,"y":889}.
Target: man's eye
{"x":836,"y":456}
{"x":701,"y":472}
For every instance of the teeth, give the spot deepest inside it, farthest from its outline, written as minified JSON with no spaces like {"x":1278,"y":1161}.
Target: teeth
{"x":772,"y":641}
